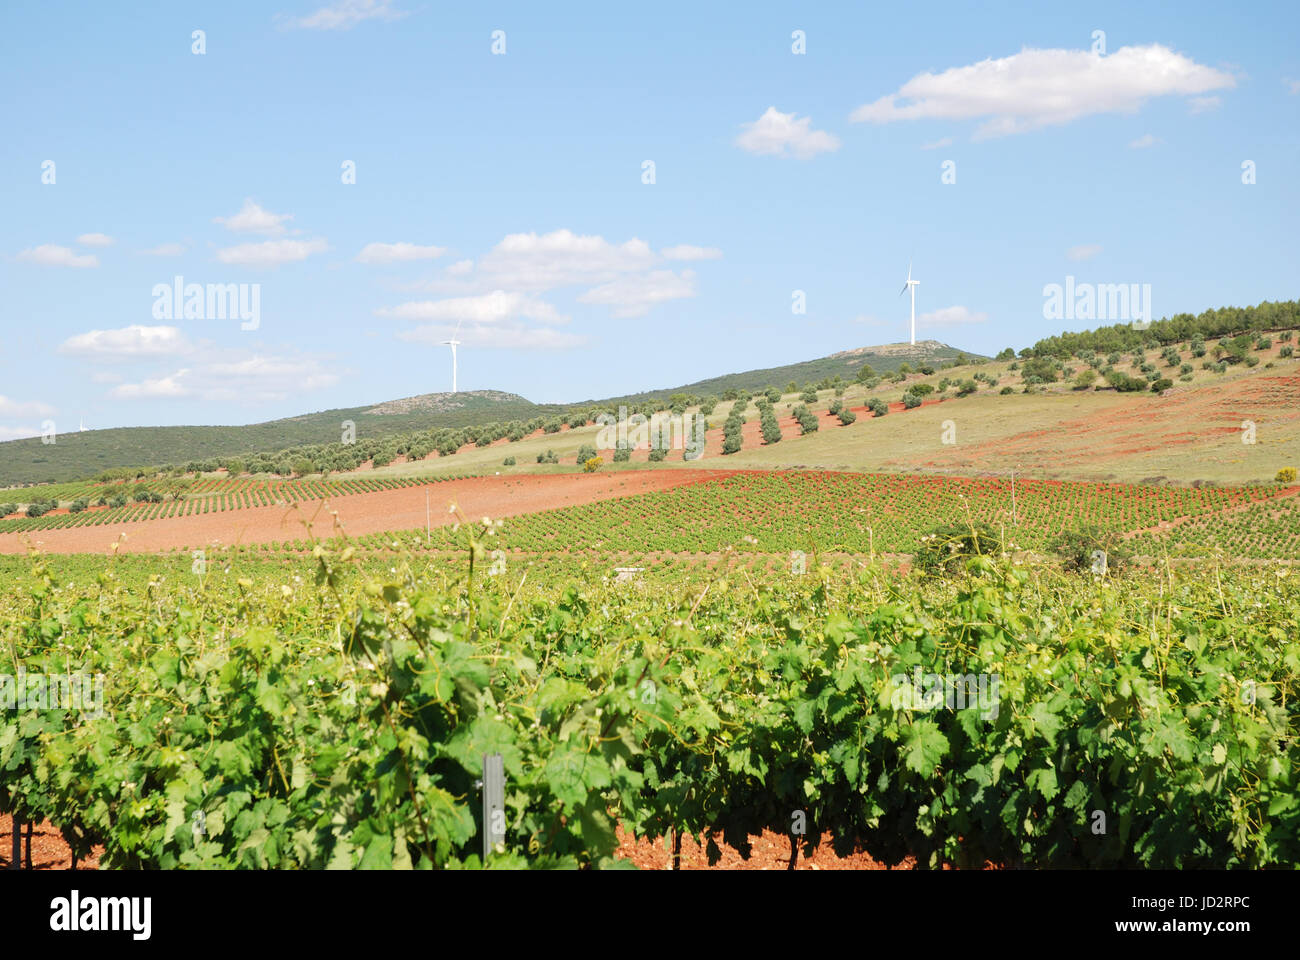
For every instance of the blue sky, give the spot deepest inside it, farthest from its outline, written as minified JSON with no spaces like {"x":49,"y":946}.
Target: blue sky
{"x":502,"y":195}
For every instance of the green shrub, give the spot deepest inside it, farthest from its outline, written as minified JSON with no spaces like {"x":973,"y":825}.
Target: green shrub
{"x":846,"y":416}
{"x":911,"y":401}
{"x":1080,"y":551}
{"x":509,"y":462}
{"x":944,"y":550}
{"x":1164,"y":383}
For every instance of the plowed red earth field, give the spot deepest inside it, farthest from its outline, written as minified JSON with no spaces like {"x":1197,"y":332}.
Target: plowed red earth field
{"x":1151,"y":424}
{"x":769,"y":852}
{"x":361,"y":513}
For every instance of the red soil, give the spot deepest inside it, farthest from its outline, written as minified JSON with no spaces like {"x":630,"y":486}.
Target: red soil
{"x":769,"y":852}
{"x":1202,"y":415}
{"x":49,"y":852}
{"x":362,"y":513}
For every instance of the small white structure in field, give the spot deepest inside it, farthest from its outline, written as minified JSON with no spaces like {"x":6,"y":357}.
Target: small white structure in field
{"x":627,"y":574}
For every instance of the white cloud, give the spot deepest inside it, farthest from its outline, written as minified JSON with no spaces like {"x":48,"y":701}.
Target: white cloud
{"x":105,"y":376}
{"x":343,"y":15}
{"x":397,"y":252}
{"x":1292,"y":86}
{"x":264,"y":372}
{"x":165,"y":250}
{"x":235,"y":376}
{"x":488,"y":308}
{"x":950,"y":316}
{"x":684,"y":251}
{"x":1144,"y":141}
{"x":253,"y":219}
{"x":460,"y":268}
{"x":503,"y":336}
{"x":776,"y":133}
{"x":32,"y":408}
{"x":133,"y":341}
{"x":95,"y":240}
{"x":52,"y":255}
{"x":634,"y":296}
{"x":533,"y":262}
{"x":1204,"y":104}
{"x":150,"y":389}
{"x":271,"y":253}
{"x":942,"y":142}
{"x":1039,"y":88}
{"x":1084,"y":251}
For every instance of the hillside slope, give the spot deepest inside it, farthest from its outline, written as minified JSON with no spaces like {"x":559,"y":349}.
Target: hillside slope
{"x":77,"y":455}
{"x":80,"y":455}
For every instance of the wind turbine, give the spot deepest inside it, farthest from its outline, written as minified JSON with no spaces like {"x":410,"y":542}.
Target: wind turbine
{"x":911,"y":285}
{"x":453,"y":343}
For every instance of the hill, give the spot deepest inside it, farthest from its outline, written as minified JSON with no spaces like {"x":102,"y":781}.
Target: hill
{"x":79,"y":455}
{"x":882,"y":358}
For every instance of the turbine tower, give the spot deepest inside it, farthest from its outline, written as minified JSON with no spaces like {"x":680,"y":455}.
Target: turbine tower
{"x":453,"y":344}
{"x":910,"y":285}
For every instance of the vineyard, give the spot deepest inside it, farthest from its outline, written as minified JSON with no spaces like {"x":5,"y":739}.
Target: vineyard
{"x":176,"y":497}
{"x":331,"y":712}
{"x":886,"y":513}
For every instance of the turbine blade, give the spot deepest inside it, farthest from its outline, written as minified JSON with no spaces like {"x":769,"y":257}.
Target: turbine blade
{"x":904,"y":290}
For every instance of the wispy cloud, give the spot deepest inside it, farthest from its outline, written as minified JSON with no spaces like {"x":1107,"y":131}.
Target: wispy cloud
{"x":95,"y":240}
{"x":235,"y":376}
{"x":943,"y":142}
{"x":1085,"y":251}
{"x":1204,"y":104}
{"x":950,"y":317}
{"x":271,"y":253}
{"x":53,"y":255}
{"x":127,"y":342}
{"x":397,"y":253}
{"x":488,"y":308}
{"x":252,"y":218}
{"x":781,"y":134}
{"x":30,"y":408}
{"x":684,"y":251}
{"x":634,"y":296}
{"x":343,"y":15}
{"x":156,"y":388}
{"x":1144,"y":141}
{"x":1034,"y":88}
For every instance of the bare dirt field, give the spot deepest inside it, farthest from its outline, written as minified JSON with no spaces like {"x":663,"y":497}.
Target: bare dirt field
{"x":363,"y":513}
{"x":769,"y":852}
